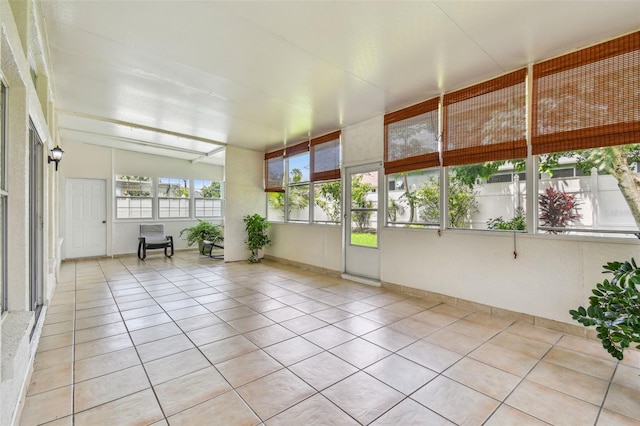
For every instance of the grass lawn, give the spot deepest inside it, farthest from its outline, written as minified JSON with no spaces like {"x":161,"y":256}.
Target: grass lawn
{"x":364,"y":239}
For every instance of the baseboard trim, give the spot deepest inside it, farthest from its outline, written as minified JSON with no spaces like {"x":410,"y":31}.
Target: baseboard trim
{"x":362,"y":280}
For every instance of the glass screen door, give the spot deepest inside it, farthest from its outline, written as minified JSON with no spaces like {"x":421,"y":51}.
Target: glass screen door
{"x":362,"y":227}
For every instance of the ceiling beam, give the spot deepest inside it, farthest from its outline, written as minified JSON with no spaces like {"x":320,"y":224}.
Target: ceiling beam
{"x":139,"y":126}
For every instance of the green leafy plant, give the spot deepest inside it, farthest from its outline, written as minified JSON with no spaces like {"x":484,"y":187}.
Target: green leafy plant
{"x":518,"y":223}
{"x":211,"y":191}
{"x":614,"y":308}
{"x":201,"y":231}
{"x":256,"y":227}
{"x":462,"y":202}
{"x":327,"y":197}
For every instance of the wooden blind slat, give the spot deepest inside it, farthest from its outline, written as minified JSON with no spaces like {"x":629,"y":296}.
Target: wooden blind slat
{"x":274,"y":171}
{"x":588,"y":99}
{"x":325,"y":157}
{"x":326,"y":138}
{"x":411,"y":138}
{"x":486,"y":122}
{"x":290,"y":151}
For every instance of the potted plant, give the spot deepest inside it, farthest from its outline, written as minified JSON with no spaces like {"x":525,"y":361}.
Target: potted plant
{"x":614,"y":308}
{"x":201,"y":231}
{"x":256,"y":227}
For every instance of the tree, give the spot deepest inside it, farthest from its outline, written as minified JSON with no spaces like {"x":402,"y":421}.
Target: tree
{"x":212,"y":190}
{"x":359,"y":192}
{"x":327,"y":197}
{"x":462,"y":202}
{"x":613,"y":160}
{"x":298,"y":195}
{"x":393,"y":209}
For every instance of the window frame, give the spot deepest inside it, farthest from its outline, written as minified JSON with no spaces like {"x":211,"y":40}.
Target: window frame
{"x":150,"y":197}
{"x":170,"y":199}
{"x":4,"y":196}
{"x":292,"y":152}
{"x":196,"y":198}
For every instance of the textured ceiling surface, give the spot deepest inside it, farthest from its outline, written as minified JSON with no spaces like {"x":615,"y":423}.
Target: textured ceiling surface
{"x":185,"y":78}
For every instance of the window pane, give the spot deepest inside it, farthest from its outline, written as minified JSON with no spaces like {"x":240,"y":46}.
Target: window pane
{"x":275,"y":206}
{"x":134,"y":208}
{"x":364,"y":209}
{"x":363,"y":231}
{"x":298,"y":203}
{"x":297,"y":195}
{"x":208,"y":196}
{"x":327,"y":201}
{"x":173,"y":207}
{"x":487,"y":195}
{"x":299,"y":168}
{"x":208,"y":208}
{"x":589,"y":191}
{"x":414,"y":198}
{"x":133,"y":197}
{"x":173,"y":187}
{"x":173,"y":197}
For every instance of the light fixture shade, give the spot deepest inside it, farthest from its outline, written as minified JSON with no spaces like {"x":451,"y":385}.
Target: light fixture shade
{"x":56,"y":154}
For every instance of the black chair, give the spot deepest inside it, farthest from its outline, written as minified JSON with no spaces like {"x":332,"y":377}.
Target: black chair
{"x":217,"y":242}
{"x":153,"y":237}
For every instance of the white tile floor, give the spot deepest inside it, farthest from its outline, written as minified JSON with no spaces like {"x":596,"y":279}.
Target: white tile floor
{"x":192,"y":340}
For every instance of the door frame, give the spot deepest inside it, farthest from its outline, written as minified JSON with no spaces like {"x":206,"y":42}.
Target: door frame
{"x":36,"y":221}
{"x":352,"y":253}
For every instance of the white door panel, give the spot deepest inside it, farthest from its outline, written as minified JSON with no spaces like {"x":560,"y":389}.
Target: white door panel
{"x":86,"y":218}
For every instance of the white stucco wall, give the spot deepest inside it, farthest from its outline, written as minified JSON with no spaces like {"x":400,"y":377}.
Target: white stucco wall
{"x":244,"y":180}
{"x":315,"y":245}
{"x":18,"y":42}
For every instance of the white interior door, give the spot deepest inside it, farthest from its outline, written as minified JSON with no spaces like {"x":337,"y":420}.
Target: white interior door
{"x":86,"y":218}
{"x":362,"y":227}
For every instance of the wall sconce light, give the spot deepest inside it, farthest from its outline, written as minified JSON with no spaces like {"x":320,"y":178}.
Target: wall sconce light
{"x":56,"y":156}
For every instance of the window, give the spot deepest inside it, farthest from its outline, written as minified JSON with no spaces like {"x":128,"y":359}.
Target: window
{"x":134,"y":199}
{"x":312,"y":173}
{"x":414,"y":198}
{"x":299,"y":174}
{"x":208,"y":198}
{"x":327,"y":202}
{"x":3,"y":197}
{"x":411,"y":160}
{"x":325,"y":174}
{"x":173,"y":197}
{"x":586,"y":113}
{"x":274,"y":184}
{"x":484,"y":135}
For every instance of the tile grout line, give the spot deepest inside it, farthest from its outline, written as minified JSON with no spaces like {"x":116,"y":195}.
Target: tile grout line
{"x":253,"y":287}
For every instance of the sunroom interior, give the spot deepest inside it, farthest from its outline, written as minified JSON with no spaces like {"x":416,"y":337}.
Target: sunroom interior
{"x":471,"y":157}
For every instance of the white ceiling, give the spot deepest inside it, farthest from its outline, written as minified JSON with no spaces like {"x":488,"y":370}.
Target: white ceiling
{"x":182,"y":78}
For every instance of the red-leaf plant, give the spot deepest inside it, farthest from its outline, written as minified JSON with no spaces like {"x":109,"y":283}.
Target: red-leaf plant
{"x":557,"y":209}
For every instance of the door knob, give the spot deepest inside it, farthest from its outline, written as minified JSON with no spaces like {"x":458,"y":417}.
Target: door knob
{"x":104,"y":221}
